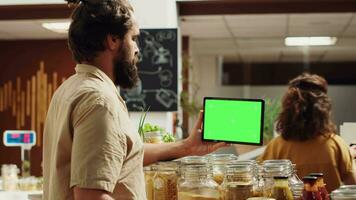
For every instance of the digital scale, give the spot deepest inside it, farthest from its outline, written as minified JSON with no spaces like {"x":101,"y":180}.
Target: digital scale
{"x":25,"y":140}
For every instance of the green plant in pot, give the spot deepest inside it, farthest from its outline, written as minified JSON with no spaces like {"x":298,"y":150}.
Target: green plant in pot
{"x":152,"y":133}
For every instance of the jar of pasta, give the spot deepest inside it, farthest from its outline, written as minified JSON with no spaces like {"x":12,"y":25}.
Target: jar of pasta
{"x":238,"y":182}
{"x":149,"y":173}
{"x":219,"y":162}
{"x":165,"y":180}
{"x":197,"y":183}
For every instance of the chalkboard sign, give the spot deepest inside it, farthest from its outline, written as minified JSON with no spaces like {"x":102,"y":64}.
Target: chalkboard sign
{"x":158,"y":72}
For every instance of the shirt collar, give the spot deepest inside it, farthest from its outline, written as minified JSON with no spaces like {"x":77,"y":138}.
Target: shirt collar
{"x":85,"y":68}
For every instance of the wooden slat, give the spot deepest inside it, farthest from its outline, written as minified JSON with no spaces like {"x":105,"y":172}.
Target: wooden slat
{"x":5,"y":96}
{"x":13,"y":103}
{"x":55,"y":81}
{"x":44,"y":97}
{"x":49,"y":94}
{"x":38,"y":105}
{"x":230,"y":7}
{"x":1,"y":100}
{"x":18,"y":101}
{"x":10,"y":93}
{"x":28,"y":98}
{"x":33,"y":103}
{"x":45,"y":11}
{"x":23,"y":108}
{"x":18,"y":111}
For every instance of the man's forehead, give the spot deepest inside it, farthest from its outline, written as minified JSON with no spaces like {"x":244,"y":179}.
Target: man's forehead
{"x":135,"y":29}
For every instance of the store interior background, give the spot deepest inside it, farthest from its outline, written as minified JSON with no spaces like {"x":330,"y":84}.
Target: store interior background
{"x":250,"y":37}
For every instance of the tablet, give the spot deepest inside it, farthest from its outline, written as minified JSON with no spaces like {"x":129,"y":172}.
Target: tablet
{"x":233,"y":120}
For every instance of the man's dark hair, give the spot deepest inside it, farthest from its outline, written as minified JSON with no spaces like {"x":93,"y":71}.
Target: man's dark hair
{"x":93,"y":21}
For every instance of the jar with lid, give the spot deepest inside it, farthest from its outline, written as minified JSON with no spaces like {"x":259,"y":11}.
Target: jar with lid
{"x":219,"y":162}
{"x":238,"y":182}
{"x":296,"y":184}
{"x":9,"y":177}
{"x":197,"y":183}
{"x":272,"y":169}
{"x":310,"y":191}
{"x":154,"y":137}
{"x":281,"y":189}
{"x":345,"y":192}
{"x":321,"y":185}
{"x":165,"y":180}
{"x":149,"y":172}
{"x":193,"y":160}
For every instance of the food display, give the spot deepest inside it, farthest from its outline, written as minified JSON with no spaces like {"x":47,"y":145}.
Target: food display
{"x":199,"y":195}
{"x":193,"y":178}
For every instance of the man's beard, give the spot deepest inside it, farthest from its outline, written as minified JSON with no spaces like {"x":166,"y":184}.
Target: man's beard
{"x":125,"y":72}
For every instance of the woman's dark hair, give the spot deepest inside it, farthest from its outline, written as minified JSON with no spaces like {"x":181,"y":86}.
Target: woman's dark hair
{"x":93,"y":21}
{"x":306,"y":109}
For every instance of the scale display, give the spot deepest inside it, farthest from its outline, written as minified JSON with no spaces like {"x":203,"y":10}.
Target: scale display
{"x":19,"y":138}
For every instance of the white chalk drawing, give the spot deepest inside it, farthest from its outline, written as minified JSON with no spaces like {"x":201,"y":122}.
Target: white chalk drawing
{"x":166,"y":78}
{"x":162,"y":56}
{"x":151,"y":72}
{"x":166,"y":35}
{"x":158,"y":60}
{"x":150,"y":45}
{"x":165,"y":97}
{"x":135,"y":98}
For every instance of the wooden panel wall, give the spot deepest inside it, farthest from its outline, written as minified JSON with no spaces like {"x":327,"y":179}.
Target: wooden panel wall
{"x":30,"y":72}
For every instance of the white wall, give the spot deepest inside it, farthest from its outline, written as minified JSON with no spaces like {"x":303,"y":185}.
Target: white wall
{"x":205,"y":73}
{"x":157,"y":14}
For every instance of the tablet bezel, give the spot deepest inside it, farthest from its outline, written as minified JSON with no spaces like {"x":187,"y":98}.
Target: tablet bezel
{"x":236,"y":99}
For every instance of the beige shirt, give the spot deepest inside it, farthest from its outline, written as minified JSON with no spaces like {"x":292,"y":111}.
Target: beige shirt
{"x":89,"y":140}
{"x":329,"y":155}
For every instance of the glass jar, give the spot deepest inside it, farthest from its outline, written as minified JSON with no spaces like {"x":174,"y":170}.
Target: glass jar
{"x":296,"y":184}
{"x":154,"y":137}
{"x":197,"y":183}
{"x":238,"y":182}
{"x":165,"y":181}
{"x":192,"y":160}
{"x":28,"y":183}
{"x":321,"y":185}
{"x":149,"y":174}
{"x":310,"y":191}
{"x":9,"y":177}
{"x":281,"y":189}
{"x":219,"y":162}
{"x":272,"y":169}
{"x":343,"y":194}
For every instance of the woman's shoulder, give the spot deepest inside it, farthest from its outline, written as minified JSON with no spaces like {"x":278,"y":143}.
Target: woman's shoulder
{"x":335,"y":140}
{"x":277,"y":141}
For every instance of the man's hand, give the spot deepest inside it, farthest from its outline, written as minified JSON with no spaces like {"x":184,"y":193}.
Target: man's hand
{"x":194,"y":144}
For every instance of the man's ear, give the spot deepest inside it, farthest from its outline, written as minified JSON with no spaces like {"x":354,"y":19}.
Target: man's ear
{"x":112,"y":42}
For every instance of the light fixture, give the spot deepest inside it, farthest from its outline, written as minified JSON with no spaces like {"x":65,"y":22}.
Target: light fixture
{"x":310,"y":41}
{"x":58,"y":27}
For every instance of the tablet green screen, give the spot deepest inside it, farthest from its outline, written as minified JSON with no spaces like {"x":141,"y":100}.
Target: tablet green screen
{"x":237,"y":121}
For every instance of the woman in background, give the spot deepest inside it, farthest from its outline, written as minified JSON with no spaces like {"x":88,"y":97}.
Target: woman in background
{"x":308,"y":135}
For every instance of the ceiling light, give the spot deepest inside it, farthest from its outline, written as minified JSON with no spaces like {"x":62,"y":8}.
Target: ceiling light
{"x":58,"y":27}
{"x":310,"y":41}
